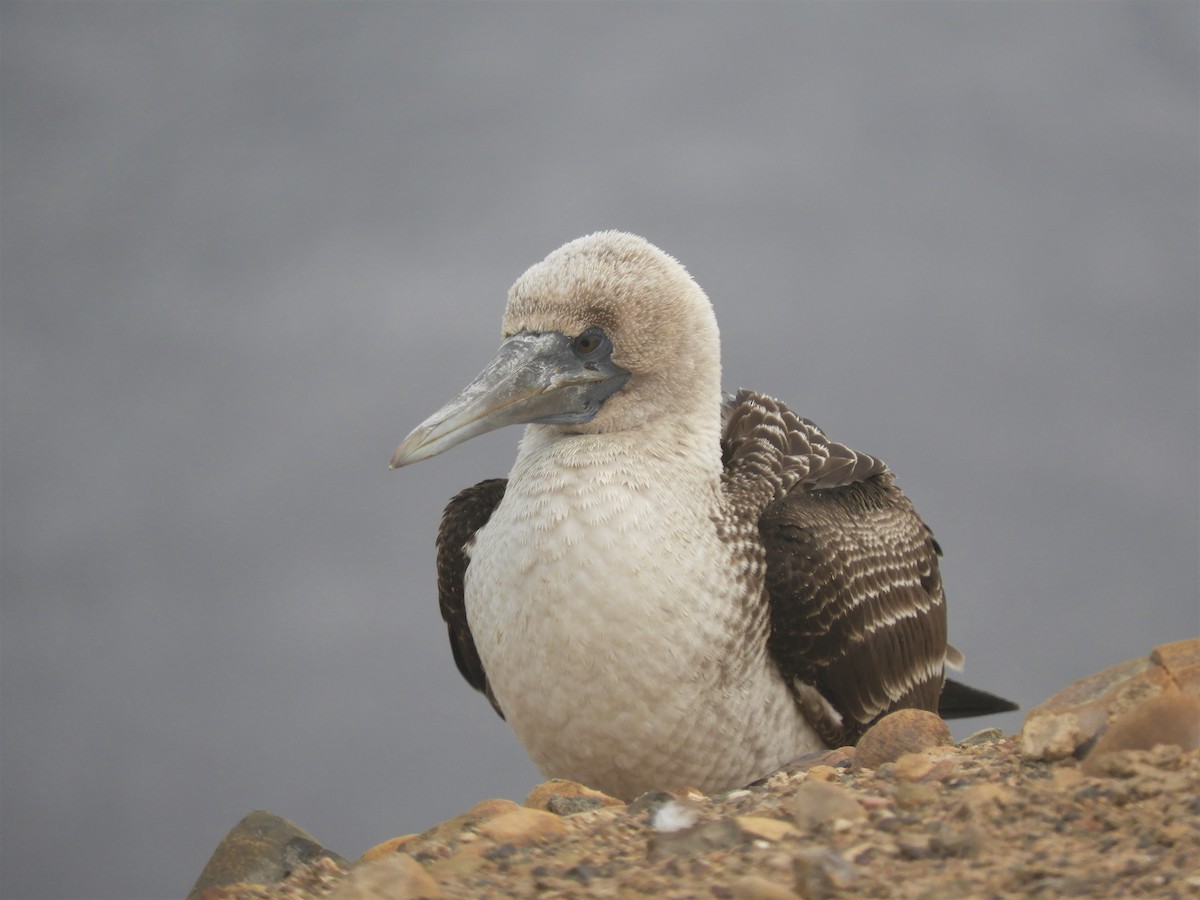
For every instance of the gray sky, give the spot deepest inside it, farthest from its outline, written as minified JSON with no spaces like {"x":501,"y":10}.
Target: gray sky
{"x":246,"y":247}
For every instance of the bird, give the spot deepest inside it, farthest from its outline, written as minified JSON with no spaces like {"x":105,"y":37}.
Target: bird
{"x":675,"y":585}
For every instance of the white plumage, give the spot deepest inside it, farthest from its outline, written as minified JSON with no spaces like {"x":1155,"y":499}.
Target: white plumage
{"x":602,"y":608}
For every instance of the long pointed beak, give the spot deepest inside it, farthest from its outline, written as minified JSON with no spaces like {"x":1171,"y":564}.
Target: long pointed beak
{"x":533,"y":378}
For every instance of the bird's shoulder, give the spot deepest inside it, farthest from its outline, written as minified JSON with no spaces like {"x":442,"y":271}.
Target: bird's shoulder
{"x":764,"y":444}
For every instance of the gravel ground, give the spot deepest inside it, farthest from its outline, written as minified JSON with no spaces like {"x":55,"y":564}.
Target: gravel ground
{"x":975,"y":820}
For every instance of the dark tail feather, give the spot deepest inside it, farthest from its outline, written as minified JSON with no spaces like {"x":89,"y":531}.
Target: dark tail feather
{"x":961,"y":702}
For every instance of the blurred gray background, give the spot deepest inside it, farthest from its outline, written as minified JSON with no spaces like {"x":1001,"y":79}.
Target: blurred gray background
{"x":246,"y":247}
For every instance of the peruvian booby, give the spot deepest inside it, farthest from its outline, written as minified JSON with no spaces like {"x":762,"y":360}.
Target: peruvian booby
{"x":674,"y":586}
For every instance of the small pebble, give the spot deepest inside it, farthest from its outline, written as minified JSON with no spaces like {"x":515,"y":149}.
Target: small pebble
{"x":983,"y":736}
{"x":524,"y":826}
{"x":649,"y":802}
{"x":561,"y":790}
{"x":911,"y":795}
{"x":823,"y":773}
{"x":765,"y":828}
{"x":819,"y":803}
{"x":716,"y":834}
{"x":904,"y":731}
{"x":397,"y":876}
{"x":986,"y":798}
{"x":821,"y":872}
{"x":755,"y":887}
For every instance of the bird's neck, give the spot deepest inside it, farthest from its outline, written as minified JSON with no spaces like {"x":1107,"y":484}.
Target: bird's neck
{"x":683,"y":450}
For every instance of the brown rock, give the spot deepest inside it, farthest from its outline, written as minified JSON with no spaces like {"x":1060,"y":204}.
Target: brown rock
{"x":523,"y":826}
{"x":396,"y":877}
{"x":1068,"y":722}
{"x":260,"y":849}
{"x":755,"y":887}
{"x":1170,"y":718}
{"x":820,"y":804}
{"x":451,"y":829}
{"x":567,"y":797}
{"x":1061,"y":725}
{"x":1181,"y":661}
{"x":489,"y":809}
{"x":387,"y":848}
{"x":904,"y":731}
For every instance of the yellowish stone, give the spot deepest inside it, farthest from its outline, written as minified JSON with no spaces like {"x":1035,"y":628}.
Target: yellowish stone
{"x":395,"y":877}
{"x":540,"y":796}
{"x":387,"y":848}
{"x":524,"y":826}
{"x":823,"y":773}
{"x":755,"y":887}
{"x":764,"y":828}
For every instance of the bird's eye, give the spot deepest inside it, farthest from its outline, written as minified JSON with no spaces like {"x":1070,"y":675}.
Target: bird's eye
{"x":591,"y":344}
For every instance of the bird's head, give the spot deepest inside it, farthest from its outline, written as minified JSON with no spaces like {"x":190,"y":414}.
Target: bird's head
{"x":606,"y":334}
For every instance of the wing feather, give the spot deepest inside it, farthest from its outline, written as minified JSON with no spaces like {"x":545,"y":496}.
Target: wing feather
{"x":851,"y":571}
{"x":465,"y":514}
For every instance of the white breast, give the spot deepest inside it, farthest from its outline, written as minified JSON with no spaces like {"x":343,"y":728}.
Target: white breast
{"x":612,"y":624}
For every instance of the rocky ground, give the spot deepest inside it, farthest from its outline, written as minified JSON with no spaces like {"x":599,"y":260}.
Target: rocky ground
{"x":1054,"y":812}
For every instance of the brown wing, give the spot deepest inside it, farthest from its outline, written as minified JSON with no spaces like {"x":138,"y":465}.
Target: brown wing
{"x":464,"y":515}
{"x":858,"y":619}
{"x":857,"y":610}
